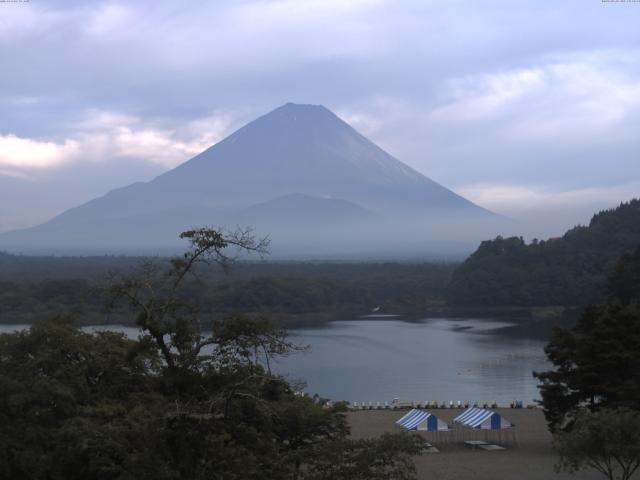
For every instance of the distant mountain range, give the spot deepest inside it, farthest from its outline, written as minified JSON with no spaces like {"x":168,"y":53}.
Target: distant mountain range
{"x":298,"y":174}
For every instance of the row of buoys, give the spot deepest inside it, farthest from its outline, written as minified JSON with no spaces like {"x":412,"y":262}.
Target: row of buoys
{"x":432,"y":404}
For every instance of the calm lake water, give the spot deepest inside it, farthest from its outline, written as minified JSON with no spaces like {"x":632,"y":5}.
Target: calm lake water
{"x":432,"y":359}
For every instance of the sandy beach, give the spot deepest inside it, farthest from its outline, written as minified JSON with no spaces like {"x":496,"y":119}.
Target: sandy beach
{"x":532,"y":459}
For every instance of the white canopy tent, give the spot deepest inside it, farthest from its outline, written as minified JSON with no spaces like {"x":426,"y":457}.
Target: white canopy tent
{"x":422,"y":420}
{"x":482,"y":419}
{"x":487,"y":421}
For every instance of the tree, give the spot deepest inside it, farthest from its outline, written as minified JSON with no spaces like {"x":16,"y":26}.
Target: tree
{"x":607,"y":440}
{"x":65,"y":394}
{"x":597,"y":362}
{"x":624,"y":282}
{"x":597,"y":365}
{"x":175,"y":403}
{"x":368,"y":459}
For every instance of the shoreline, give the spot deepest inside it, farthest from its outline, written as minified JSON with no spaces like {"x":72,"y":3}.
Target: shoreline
{"x":534,"y":315}
{"x":436,"y":405}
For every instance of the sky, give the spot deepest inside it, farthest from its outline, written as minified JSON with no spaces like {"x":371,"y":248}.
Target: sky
{"x":528,"y":108}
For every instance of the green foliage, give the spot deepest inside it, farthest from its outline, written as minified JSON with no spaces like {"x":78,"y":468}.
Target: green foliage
{"x":290,"y":293}
{"x":607,"y":440}
{"x":597,"y":364}
{"x":571,"y":270}
{"x":369,"y":459}
{"x":173,"y":404}
{"x":624,"y":282}
{"x":56,"y":383}
{"x":597,"y":361}
{"x":75,"y":405}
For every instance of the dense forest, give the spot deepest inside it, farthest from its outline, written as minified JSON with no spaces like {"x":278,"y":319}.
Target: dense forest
{"x":289,"y":293}
{"x":571,"y":270}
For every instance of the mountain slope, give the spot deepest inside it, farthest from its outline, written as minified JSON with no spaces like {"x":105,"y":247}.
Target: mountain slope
{"x":294,"y":149}
{"x":571,"y":270}
{"x":297,"y":210}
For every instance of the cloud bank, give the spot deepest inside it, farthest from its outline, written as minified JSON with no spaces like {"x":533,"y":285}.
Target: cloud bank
{"x":537,"y":99}
{"x":103,"y":136}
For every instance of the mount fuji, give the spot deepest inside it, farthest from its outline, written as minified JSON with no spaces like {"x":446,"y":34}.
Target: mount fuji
{"x":299,"y":174}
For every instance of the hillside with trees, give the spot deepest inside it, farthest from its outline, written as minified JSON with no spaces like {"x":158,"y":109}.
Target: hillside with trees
{"x":570,"y":270}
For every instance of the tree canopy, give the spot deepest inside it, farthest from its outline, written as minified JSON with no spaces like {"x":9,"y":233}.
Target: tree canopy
{"x":569,"y":270}
{"x":597,"y":362}
{"x":290,"y":293}
{"x":175,"y":403}
{"x":607,"y":441}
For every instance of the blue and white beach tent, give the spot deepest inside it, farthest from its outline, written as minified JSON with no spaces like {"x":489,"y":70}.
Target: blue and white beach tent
{"x":422,"y":420}
{"x":482,"y":419}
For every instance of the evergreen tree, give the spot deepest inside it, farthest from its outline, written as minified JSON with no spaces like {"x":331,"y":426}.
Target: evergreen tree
{"x":597,"y":362}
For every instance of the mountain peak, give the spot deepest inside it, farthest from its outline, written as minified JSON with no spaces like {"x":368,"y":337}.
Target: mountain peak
{"x":302,"y":107}
{"x":303,"y":112}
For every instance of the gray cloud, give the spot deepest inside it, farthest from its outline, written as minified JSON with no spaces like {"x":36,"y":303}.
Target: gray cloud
{"x":485,"y":97}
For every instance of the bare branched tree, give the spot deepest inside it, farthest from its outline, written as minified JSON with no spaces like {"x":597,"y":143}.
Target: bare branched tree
{"x":153,"y":292}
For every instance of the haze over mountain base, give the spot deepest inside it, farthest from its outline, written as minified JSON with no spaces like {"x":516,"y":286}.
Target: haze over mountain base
{"x":299,"y":175}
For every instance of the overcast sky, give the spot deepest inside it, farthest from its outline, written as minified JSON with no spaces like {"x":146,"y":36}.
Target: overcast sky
{"x":528,"y":108}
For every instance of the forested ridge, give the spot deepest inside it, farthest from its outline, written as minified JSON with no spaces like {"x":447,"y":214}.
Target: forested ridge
{"x":570,"y":270}
{"x":294,"y":293}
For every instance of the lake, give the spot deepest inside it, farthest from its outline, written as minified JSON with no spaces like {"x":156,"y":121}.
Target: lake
{"x":431,"y":359}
